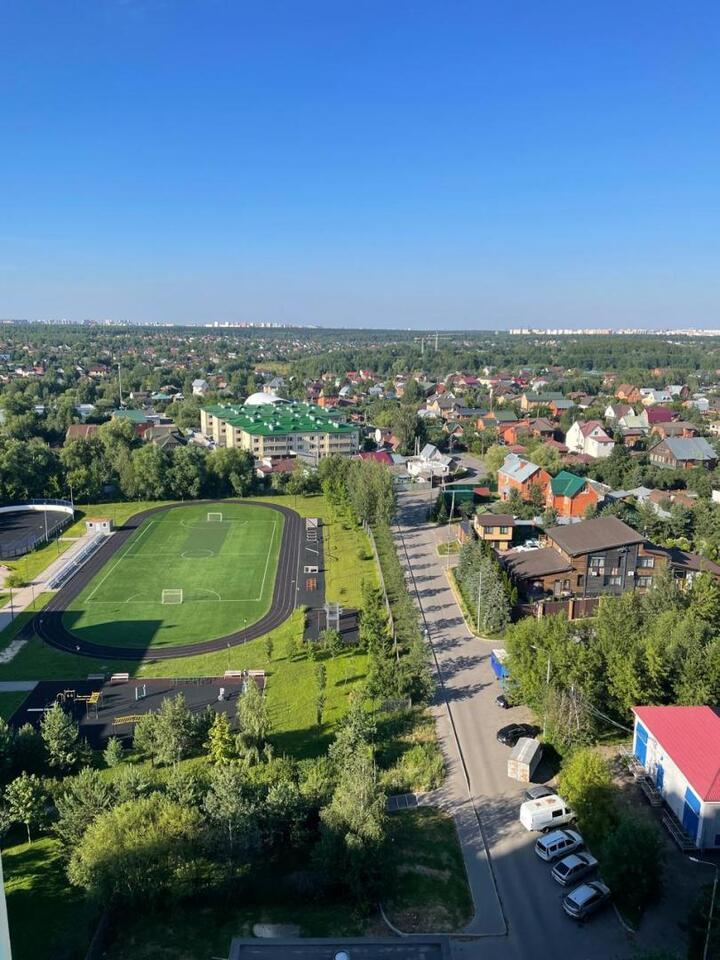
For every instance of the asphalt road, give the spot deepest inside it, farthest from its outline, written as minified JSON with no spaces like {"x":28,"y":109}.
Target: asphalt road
{"x":537,"y":926}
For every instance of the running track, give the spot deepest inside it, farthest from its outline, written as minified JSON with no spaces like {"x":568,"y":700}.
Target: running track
{"x":49,"y":627}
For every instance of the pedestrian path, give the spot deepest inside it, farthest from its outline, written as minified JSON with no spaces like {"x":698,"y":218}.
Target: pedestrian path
{"x":24,"y":598}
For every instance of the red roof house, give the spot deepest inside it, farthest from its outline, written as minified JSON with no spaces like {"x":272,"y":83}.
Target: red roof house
{"x":679,"y":747}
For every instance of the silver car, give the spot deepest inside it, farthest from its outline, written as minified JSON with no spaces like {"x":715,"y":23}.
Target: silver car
{"x":584,"y":900}
{"x":571,"y":868}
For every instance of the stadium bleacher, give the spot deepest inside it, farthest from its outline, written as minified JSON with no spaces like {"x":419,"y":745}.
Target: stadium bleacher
{"x":73,"y":565}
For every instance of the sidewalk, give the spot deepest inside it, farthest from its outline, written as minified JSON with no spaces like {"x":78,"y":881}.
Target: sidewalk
{"x":23,"y":598}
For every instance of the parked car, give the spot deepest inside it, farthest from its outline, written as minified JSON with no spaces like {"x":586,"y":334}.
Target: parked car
{"x":537,"y":793}
{"x":558,"y":843}
{"x":502,"y":701}
{"x":570,"y":869}
{"x":547,"y":813}
{"x":511,"y":734}
{"x":584,"y":900}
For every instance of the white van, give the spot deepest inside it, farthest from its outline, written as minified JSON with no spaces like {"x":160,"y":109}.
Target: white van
{"x":544,"y":813}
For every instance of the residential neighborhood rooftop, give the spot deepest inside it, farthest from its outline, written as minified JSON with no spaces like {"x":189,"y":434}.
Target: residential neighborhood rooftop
{"x":600,"y":533}
{"x":267,"y":419}
{"x":691,"y":738}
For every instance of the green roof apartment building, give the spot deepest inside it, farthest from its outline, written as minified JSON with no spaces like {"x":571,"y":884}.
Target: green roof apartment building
{"x":280,"y":429}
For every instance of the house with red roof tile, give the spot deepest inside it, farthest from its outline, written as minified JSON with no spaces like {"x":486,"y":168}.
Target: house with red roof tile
{"x":679,"y":748}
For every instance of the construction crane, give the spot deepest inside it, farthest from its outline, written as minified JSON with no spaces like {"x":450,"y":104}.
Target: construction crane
{"x":429,"y":337}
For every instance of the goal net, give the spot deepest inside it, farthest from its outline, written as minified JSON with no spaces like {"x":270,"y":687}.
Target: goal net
{"x":214,"y":517}
{"x":172,"y":596}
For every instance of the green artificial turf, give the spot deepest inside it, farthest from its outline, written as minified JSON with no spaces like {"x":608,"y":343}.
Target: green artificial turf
{"x":225,"y":569}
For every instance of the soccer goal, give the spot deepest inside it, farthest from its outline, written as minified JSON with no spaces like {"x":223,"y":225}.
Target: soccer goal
{"x":172,"y":596}
{"x":214,"y":517}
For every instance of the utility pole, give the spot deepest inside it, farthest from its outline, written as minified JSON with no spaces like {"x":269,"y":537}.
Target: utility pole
{"x":709,"y":863}
{"x":478,"y":600}
{"x":120,"y":383}
{"x":547,"y":692}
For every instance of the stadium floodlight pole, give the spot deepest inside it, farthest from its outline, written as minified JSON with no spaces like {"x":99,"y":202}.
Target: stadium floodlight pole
{"x":46,"y":529}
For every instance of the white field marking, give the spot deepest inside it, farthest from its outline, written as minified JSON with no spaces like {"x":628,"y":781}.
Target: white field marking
{"x":267,"y":560}
{"x":174,"y":556}
{"x":159,"y":603}
{"x":122,"y":555}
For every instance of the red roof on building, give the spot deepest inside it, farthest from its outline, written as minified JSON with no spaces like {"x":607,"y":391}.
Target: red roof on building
{"x":691,"y":738}
{"x":658,"y":415}
{"x":381,"y":456}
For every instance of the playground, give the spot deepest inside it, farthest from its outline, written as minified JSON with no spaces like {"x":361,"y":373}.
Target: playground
{"x":106,"y":708}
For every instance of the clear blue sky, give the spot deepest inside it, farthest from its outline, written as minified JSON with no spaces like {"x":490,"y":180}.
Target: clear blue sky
{"x":352,"y":162}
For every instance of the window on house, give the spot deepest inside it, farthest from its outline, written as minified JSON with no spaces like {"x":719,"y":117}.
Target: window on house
{"x":647,"y":562}
{"x":504,"y":529}
{"x":597,"y":563}
{"x":615,"y":581}
{"x":644,"y":582}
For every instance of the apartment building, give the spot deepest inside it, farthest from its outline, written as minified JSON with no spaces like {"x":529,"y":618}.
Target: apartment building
{"x":280,"y":430}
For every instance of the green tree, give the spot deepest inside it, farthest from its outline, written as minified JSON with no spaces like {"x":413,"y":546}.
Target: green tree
{"x":586,"y":783}
{"x":174,"y":730}
{"x":187,"y":476}
{"x":142,"y":851}
{"x":253,"y":716}
{"x":25,"y":799}
{"x":632,"y":857}
{"x":220,"y":740}
{"x":60,"y":736}
{"x":85,"y":467}
{"x":232,"y":471}
{"x":332,"y":641}
{"x":83,"y":799}
{"x":229,"y":809}
{"x":150,"y":466}
{"x":494,"y":458}
{"x":268,"y":648}
{"x":113,"y":752}
{"x":353,"y":828}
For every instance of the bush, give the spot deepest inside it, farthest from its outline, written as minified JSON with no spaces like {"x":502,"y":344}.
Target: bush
{"x":586,"y":784}
{"x":632,"y":864}
{"x":419,"y":769}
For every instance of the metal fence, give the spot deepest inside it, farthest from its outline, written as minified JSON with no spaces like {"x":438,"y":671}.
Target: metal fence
{"x":382,"y":579}
{"x":11,"y":548}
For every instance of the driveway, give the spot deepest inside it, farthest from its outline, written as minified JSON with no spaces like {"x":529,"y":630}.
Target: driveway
{"x":529,"y":899}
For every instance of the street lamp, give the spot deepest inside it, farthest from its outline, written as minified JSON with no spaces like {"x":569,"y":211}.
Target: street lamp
{"x":716,"y":868}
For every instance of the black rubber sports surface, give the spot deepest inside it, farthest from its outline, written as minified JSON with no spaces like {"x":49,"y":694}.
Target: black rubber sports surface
{"x":49,"y":627}
{"x":21,"y":529}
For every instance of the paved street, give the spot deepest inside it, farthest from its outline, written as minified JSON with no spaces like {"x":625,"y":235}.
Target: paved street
{"x":530,"y":900}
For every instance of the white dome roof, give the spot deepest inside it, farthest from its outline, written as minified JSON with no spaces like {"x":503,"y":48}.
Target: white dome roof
{"x":258,"y":399}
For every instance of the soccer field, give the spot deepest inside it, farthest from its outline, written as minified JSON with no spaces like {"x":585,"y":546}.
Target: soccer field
{"x":223,"y":557}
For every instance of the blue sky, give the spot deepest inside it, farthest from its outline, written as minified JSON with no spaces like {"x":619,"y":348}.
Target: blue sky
{"x":452,"y":164}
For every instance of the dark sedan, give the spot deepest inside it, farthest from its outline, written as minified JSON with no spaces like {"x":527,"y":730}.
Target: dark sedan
{"x":511,"y":734}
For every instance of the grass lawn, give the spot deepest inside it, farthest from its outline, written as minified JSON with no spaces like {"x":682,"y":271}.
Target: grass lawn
{"x":203,"y":931}
{"x":12,"y":629}
{"x":451,"y":548}
{"x":431,"y":891}
{"x":290,"y":690}
{"x":48,"y":918}
{"x":9,"y":702}
{"x":225,"y":569}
